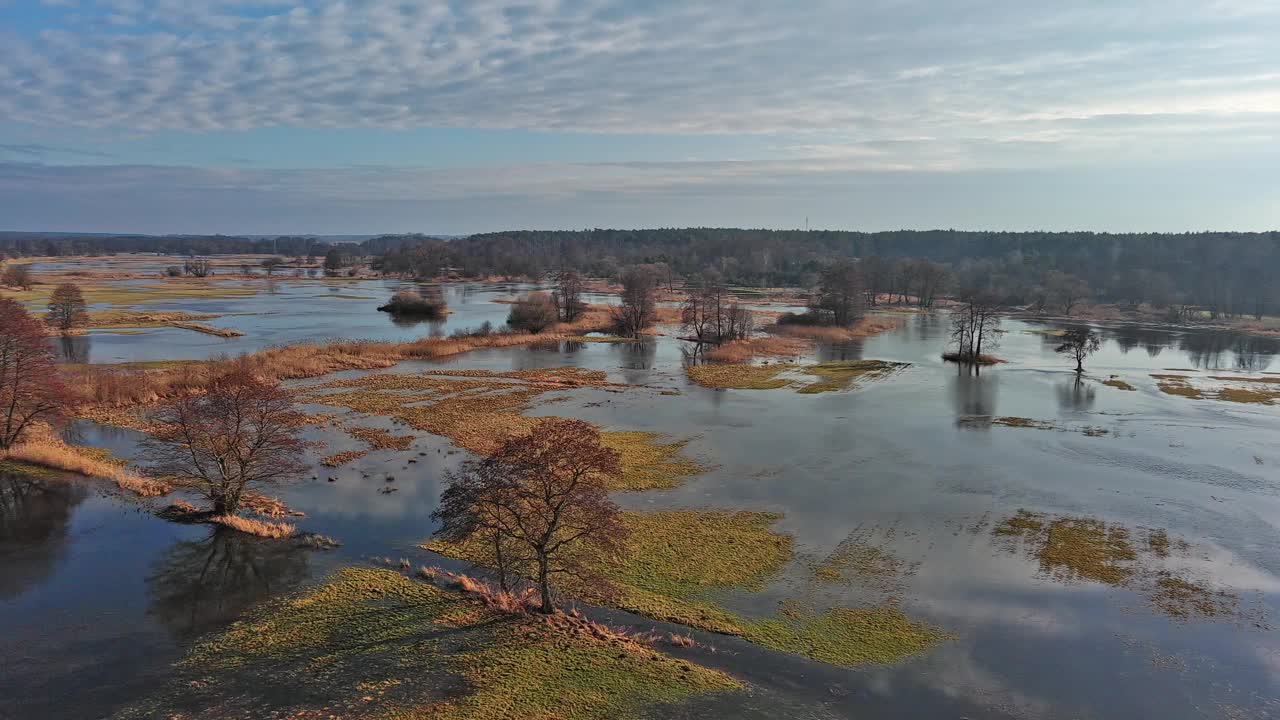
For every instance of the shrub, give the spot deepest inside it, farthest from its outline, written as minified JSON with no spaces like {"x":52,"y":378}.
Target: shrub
{"x":407,"y":302}
{"x":533,"y":313}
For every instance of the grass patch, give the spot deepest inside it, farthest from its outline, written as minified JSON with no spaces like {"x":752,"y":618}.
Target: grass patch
{"x":844,"y":375}
{"x":856,"y":560}
{"x":261,"y":528}
{"x":342,"y":458}
{"x":1072,"y":549}
{"x":207,"y":329}
{"x":831,"y":376}
{"x":372,"y":643}
{"x":1118,"y":384}
{"x":738,"y":377}
{"x":43,"y":448}
{"x":675,"y":562}
{"x":648,"y":463}
{"x":1257,"y":391}
{"x":478,"y":409}
{"x":379,"y":439}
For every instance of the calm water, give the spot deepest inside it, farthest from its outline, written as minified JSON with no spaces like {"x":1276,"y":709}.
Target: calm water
{"x":98,"y":596}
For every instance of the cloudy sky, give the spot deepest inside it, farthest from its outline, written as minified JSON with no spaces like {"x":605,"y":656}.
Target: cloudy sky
{"x":367,"y":116}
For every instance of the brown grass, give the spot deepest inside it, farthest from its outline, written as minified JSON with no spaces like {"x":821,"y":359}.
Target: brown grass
{"x":207,"y":329}
{"x":261,"y":528}
{"x":983,"y":359}
{"x":380,"y":439}
{"x":113,"y":387}
{"x":866,"y":327}
{"x":1118,"y":384}
{"x":344,"y":457}
{"x":742,"y":351}
{"x":45,"y":449}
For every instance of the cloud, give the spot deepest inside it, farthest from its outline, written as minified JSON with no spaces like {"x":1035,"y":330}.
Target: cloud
{"x":875,"y":70}
{"x":40,"y":151}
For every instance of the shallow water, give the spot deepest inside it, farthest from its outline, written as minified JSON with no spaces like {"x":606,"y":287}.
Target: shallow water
{"x":100,"y":583}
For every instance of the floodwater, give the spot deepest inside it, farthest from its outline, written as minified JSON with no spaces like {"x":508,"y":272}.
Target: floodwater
{"x":97,"y":596}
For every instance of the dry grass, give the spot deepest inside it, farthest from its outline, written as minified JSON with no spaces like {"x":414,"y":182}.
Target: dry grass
{"x":342,"y":458}
{"x":836,"y":376}
{"x":866,"y":327}
{"x":742,"y":351}
{"x":983,"y":359}
{"x":738,"y":377}
{"x":207,"y":329}
{"x":1257,"y":391}
{"x":1118,"y":384}
{"x":121,"y":387}
{"x":380,"y":439}
{"x":46,"y":450}
{"x":261,"y":528}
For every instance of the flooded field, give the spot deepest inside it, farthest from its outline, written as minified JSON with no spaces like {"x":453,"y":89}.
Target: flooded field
{"x":1036,"y":544}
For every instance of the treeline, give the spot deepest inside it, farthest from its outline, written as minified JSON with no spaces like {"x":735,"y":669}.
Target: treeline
{"x":18,"y":244}
{"x":1222,"y":273}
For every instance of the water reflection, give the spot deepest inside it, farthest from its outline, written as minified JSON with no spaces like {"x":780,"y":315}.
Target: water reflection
{"x":973,"y":393}
{"x":72,"y":348}
{"x":840,"y":352}
{"x":636,"y":355}
{"x":34,"y":517}
{"x":1076,"y":394}
{"x":200,"y":584}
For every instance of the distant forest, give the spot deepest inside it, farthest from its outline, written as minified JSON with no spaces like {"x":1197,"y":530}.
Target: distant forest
{"x":1219,"y":272}
{"x":1222,"y":273}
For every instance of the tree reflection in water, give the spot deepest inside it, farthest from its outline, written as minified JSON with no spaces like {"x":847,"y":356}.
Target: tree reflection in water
{"x":34,"y":517}
{"x":201,"y":584}
{"x":1076,"y":394}
{"x":973,"y":393}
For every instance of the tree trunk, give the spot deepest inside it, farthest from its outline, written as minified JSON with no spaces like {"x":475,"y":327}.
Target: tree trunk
{"x":544,"y":587}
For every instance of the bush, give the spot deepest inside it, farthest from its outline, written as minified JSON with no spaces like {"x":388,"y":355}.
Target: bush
{"x":807,"y":318}
{"x":407,"y":302}
{"x":533,"y":313}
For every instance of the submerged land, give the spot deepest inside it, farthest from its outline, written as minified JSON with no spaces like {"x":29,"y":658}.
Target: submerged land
{"x":812,"y":513}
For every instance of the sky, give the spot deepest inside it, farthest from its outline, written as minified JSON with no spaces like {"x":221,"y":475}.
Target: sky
{"x":459,"y":116}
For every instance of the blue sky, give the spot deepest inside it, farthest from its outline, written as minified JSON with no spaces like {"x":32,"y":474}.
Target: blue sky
{"x":368,"y":116}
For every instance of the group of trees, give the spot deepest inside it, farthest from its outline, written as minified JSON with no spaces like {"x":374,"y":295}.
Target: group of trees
{"x":638,"y":305}
{"x":711,"y":314}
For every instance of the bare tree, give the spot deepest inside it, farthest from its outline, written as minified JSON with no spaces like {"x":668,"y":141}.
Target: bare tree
{"x":67,"y":308}
{"x":638,"y":308}
{"x":975,"y":326}
{"x":840,"y":298}
{"x":17,"y":276}
{"x":568,"y":295}
{"x":270,"y":264}
{"x":1079,"y":343}
{"x":30,"y":390}
{"x":1067,"y":290}
{"x":542,"y":496}
{"x":240,"y":434}
{"x":197,"y":267}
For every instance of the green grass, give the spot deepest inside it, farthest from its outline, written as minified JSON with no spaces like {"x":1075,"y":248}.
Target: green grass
{"x":372,"y":643}
{"x":675,"y":564}
{"x":648,"y":463}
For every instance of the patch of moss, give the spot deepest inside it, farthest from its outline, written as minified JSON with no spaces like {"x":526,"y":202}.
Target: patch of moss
{"x":372,"y":643}
{"x":738,"y":377}
{"x":1183,"y":599}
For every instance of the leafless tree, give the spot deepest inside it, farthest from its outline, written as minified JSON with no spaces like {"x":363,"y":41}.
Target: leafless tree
{"x":638,"y":308}
{"x":1067,"y":290}
{"x":840,"y":298}
{"x":17,"y":276}
{"x":1079,"y":343}
{"x":240,"y":434}
{"x":30,"y":390}
{"x":198,"y":267}
{"x":568,"y":295}
{"x":541,"y":498}
{"x":975,"y":326}
{"x":67,"y":308}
